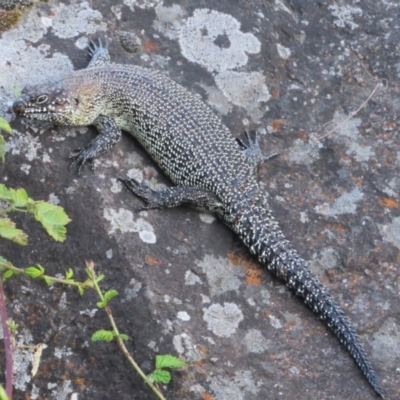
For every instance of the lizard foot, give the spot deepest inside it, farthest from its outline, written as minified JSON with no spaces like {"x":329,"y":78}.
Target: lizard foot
{"x":80,"y":157}
{"x":252,"y":150}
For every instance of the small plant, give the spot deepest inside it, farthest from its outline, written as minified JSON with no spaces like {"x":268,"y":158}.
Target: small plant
{"x":4,"y":126}
{"x":160,"y":375}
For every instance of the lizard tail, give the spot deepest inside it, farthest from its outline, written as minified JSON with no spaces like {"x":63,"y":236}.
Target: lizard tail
{"x":260,"y":232}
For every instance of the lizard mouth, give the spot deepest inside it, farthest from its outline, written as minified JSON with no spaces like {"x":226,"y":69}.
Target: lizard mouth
{"x":22,"y":109}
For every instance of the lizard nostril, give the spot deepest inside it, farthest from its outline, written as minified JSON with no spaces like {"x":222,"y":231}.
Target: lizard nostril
{"x":19,"y":107}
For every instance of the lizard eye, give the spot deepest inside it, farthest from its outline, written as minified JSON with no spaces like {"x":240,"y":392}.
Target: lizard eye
{"x":41,"y":99}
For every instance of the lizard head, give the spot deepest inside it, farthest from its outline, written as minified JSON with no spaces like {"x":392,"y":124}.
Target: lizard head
{"x":48,"y":102}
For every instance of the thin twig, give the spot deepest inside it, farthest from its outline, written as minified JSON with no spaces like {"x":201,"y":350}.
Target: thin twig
{"x":7,"y":343}
{"x":120,"y":342}
{"x":353,"y":113}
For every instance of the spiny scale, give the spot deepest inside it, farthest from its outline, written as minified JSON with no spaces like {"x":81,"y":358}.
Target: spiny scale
{"x":198,"y":153}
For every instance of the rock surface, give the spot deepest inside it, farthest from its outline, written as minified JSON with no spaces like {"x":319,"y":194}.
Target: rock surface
{"x":187,"y":286}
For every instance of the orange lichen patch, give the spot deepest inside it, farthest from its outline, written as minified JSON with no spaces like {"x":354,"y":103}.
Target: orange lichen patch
{"x":389,"y":203}
{"x":79,"y":383}
{"x":290,"y":325}
{"x":252,"y":269}
{"x":389,"y":126}
{"x":150,"y":46}
{"x":275,"y":92}
{"x":152,"y":261}
{"x":277,"y":124}
{"x":206,"y":396}
{"x":198,"y":363}
{"x":337,"y":227}
{"x":202,"y":350}
{"x":303,"y":135}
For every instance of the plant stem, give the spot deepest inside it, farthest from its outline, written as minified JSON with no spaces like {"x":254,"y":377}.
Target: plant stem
{"x":120,"y":342}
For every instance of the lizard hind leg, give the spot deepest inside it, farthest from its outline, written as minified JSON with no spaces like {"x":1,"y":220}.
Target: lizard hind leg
{"x":174,"y":196}
{"x":99,"y":53}
{"x":252,"y":151}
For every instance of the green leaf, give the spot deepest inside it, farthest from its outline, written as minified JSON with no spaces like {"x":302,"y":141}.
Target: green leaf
{"x":12,"y":325}
{"x":101,"y":304}
{"x":8,"y":231}
{"x":48,"y":280}
{"x":53,"y":218}
{"x":160,"y":376}
{"x":34,"y":272}
{"x":81,"y":290}
{"x":100,"y":278}
{"x":4,"y":261}
{"x":109,"y":295}
{"x":69,"y":274}
{"x":2,"y":149}
{"x":103,"y":335}
{"x":123,"y":336}
{"x":8,"y":274}
{"x":168,"y":361}
{"x":19,"y":197}
{"x":5,"y":126}
{"x":4,"y":194}
{"x":3,"y":394}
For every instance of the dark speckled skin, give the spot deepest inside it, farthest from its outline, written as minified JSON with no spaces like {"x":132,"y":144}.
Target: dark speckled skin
{"x":198,"y":153}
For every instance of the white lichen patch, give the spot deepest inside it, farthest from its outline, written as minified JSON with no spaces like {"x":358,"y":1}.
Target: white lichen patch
{"x":239,"y":387}
{"x":361,"y":153}
{"x":391,"y":232}
{"x":184,"y":345}
{"x":223,"y":320}
{"x":275,"y":322}
{"x":22,"y":360}
{"x":143,"y":4}
{"x":255,"y":342}
{"x":344,"y":15}
{"x":345,"y":204}
{"x":24,"y":144}
{"x":54,"y":199}
{"x":207,"y":218}
{"x":123,"y":220}
{"x":221,"y":276}
{"x":62,"y":391}
{"x":191,"y":278}
{"x":70,"y":20}
{"x":304,"y":152}
{"x":62,"y":352}
{"x":386,"y":342}
{"x":198,"y":36}
{"x":168,"y":20}
{"x":344,"y":127}
{"x":283,"y":52}
{"x":183,"y":316}
{"x":116,"y":186}
{"x":244,"y":89}
{"x":217,"y":100}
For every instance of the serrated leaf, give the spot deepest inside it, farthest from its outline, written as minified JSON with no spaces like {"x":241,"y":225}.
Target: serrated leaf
{"x":4,"y":194}
{"x":8,"y":274}
{"x":168,"y":361}
{"x":53,"y":218}
{"x":5,"y":126}
{"x":161,"y":376}
{"x":123,"y":336}
{"x":100,"y":278}
{"x":35,"y":271}
{"x":19,"y":197}
{"x":48,"y":280}
{"x":103,"y":335}
{"x":109,"y":295}
{"x":69,"y":274}
{"x":101,"y":304}
{"x":8,"y":231}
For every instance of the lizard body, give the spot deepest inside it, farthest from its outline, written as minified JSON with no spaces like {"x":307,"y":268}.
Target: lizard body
{"x":198,"y":153}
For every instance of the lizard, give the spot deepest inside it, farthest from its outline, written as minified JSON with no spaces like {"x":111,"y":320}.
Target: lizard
{"x":209,"y":169}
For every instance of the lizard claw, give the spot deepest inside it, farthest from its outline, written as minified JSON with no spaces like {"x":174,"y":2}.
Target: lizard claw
{"x":80,"y":157}
{"x":140,"y":190}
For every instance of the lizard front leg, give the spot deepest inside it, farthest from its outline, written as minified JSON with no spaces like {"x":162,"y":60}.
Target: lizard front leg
{"x":109,"y":135}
